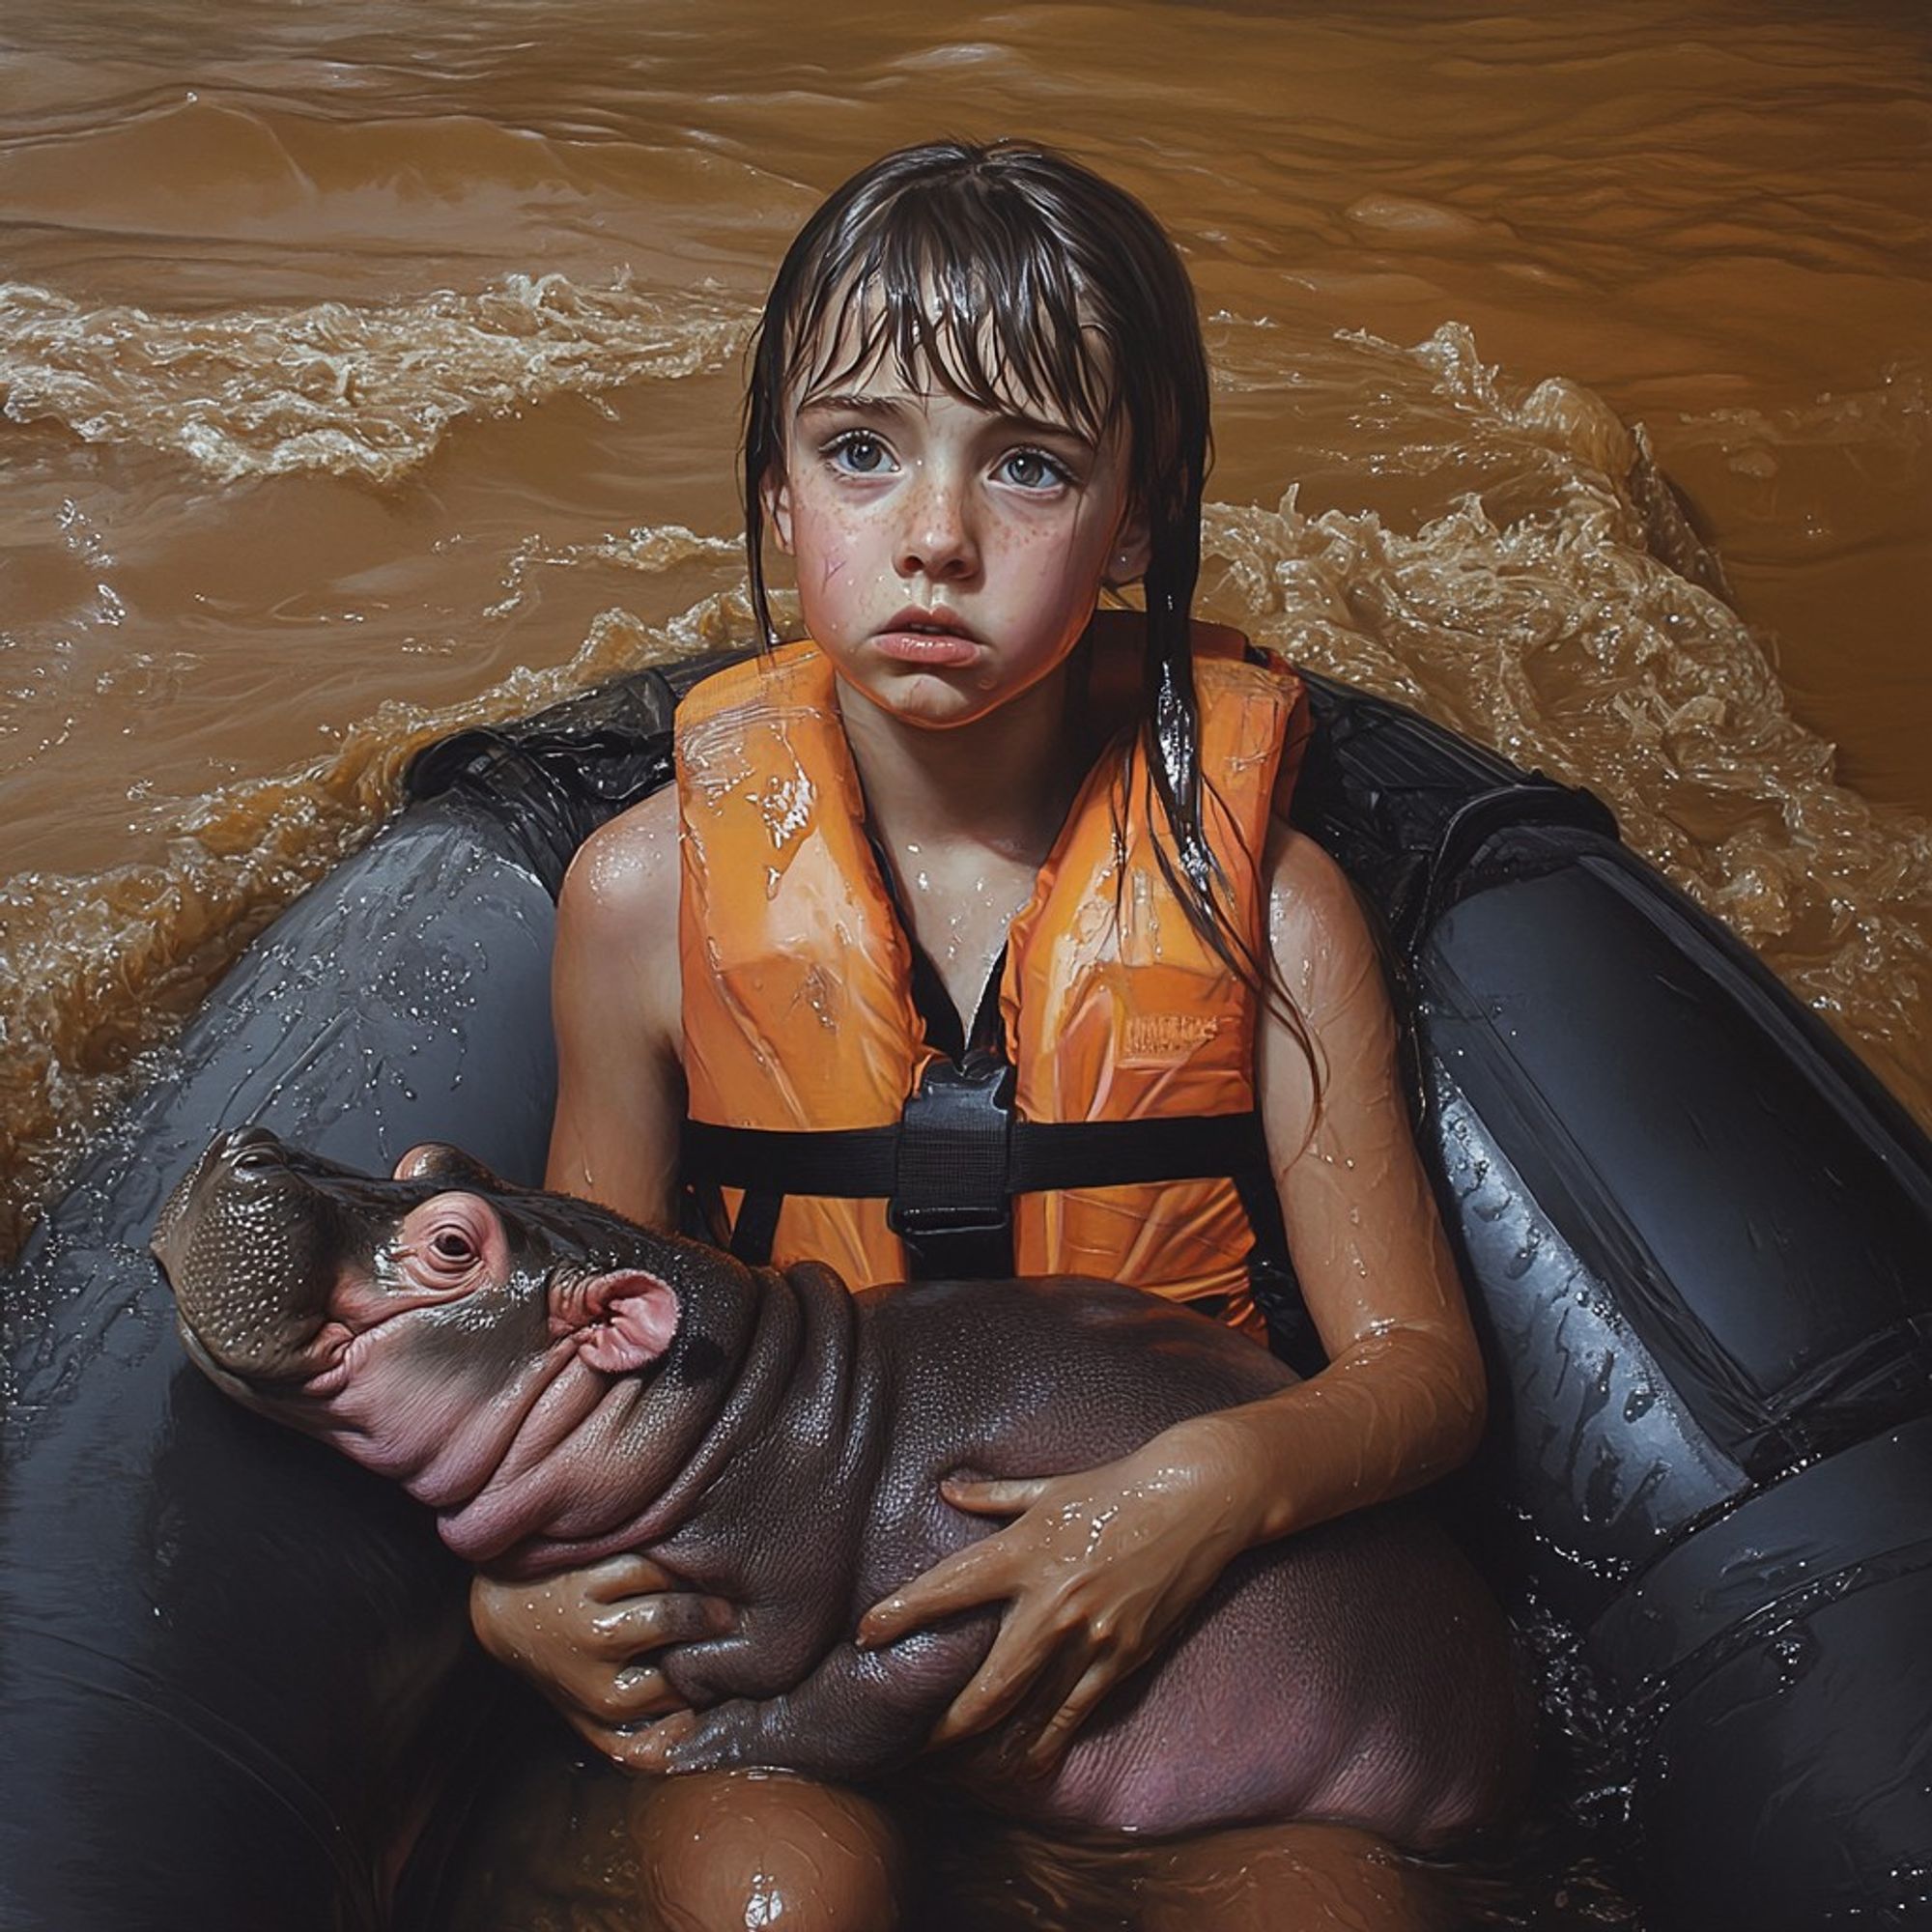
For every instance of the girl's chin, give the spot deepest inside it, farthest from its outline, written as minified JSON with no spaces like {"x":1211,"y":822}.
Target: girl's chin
{"x":930,"y":700}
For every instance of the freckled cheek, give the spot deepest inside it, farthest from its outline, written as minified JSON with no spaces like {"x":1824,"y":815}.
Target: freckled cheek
{"x":831,"y":553}
{"x":1041,"y":564}
{"x":1034,"y":553}
{"x":836,"y":537}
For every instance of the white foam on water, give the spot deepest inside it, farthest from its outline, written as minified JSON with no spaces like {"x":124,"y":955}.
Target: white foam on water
{"x":353,"y":390}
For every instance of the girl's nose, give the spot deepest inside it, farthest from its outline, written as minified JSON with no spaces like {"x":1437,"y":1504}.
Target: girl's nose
{"x":937,"y":541}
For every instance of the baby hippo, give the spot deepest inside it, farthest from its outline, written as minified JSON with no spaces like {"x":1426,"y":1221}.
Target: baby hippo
{"x":559,"y":1386}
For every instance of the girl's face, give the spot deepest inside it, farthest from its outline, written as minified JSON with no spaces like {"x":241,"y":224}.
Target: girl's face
{"x":949,"y":556}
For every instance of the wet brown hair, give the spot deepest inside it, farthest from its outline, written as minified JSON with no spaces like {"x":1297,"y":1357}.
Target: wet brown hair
{"x":1008,"y":272}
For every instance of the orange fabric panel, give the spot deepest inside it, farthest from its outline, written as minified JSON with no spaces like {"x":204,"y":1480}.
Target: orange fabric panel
{"x":798,"y":1011}
{"x":1117,"y":1009}
{"x":780,"y":898}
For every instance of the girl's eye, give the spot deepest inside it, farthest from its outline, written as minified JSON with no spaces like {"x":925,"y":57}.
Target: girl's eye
{"x":1032,"y":469}
{"x":860,"y":454}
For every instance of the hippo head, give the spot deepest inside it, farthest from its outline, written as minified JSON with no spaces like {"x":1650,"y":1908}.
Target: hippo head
{"x":439,"y":1326}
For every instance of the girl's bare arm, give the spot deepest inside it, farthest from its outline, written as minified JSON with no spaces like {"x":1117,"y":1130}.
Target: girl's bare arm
{"x":585,"y":1635}
{"x":614,"y":1002}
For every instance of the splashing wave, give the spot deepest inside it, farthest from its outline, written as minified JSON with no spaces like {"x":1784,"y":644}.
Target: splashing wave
{"x":361,"y":390}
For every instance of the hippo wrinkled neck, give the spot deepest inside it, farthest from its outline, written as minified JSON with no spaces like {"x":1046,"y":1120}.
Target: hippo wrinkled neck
{"x":638,"y":1462}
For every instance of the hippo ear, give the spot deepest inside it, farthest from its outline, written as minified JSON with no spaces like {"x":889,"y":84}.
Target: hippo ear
{"x":451,"y":1167}
{"x":632,"y":1318}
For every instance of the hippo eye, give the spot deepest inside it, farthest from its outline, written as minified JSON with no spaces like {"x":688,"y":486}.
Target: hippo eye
{"x":446,"y":1242}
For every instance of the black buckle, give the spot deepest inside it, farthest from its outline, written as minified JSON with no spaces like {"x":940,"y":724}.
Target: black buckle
{"x":954,"y":1146}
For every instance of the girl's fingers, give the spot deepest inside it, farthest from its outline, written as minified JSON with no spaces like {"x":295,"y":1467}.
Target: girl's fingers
{"x":978,"y":1574}
{"x":1056,"y":1733}
{"x":641,"y":1624}
{"x":624,"y":1696}
{"x":649,"y":1746}
{"x":997,"y":1688}
{"x":991,"y":1497}
{"x":641,"y":1747}
{"x":626,"y":1575}
{"x":956,"y":1582}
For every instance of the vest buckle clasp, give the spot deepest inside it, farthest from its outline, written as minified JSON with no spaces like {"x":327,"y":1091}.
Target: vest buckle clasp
{"x":953,"y":1154}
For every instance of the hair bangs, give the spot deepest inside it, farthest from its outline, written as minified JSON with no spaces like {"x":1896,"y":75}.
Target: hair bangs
{"x":973,"y":299}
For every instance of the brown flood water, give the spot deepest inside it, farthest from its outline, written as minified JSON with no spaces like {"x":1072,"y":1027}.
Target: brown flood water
{"x":373,"y":367}
{"x":368,"y":369}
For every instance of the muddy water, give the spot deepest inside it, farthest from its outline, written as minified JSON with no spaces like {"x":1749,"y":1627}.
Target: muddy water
{"x":370,"y":368}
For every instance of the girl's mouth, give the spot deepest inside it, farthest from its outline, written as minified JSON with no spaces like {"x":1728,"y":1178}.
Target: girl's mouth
{"x":942,"y":649}
{"x":935,"y":639}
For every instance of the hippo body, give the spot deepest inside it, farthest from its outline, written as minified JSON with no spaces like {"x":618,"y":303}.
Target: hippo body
{"x":560,"y":1386}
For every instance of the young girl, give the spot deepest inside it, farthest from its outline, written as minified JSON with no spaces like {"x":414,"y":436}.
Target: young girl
{"x":974,"y":940}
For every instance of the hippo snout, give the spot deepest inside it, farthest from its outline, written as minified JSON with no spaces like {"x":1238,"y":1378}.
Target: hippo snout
{"x":248,"y":1148}
{"x":419,"y":1319}
{"x":249,"y":1248}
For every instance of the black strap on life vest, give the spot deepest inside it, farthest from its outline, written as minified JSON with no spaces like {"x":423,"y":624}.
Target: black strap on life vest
{"x":949,"y":1168}
{"x":959,"y":1154}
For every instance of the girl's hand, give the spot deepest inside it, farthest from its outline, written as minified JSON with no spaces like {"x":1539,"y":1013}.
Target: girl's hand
{"x":582,"y":1636}
{"x":1097,"y":1571}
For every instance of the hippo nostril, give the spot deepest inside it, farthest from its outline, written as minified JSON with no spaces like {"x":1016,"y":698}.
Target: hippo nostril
{"x":251,"y":1147}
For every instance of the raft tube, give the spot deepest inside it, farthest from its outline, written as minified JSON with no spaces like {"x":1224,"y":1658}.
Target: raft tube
{"x":1697,"y":1235}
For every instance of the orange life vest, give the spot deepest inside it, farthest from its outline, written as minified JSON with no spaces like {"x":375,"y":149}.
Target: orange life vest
{"x":802,"y":1040}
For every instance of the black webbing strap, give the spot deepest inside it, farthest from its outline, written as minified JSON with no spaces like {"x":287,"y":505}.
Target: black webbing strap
{"x":756,"y":1227}
{"x":950,"y":1167}
{"x":949,"y":1183}
{"x":1042,"y":1157}
{"x":1271,"y":1276}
